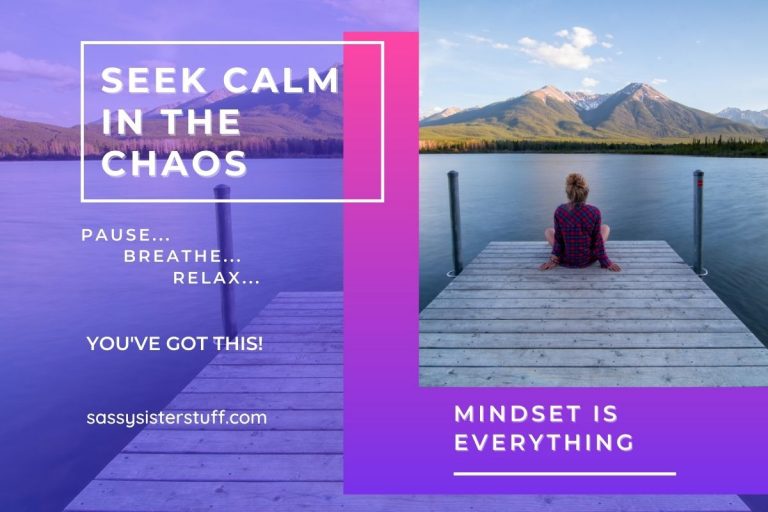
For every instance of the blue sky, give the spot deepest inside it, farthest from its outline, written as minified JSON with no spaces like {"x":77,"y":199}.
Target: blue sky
{"x":706,"y":54}
{"x":40,"y":40}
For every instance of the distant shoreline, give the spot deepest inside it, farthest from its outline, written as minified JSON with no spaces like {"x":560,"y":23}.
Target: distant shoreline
{"x":715,"y":148}
{"x":255,"y":157}
{"x":552,"y":152}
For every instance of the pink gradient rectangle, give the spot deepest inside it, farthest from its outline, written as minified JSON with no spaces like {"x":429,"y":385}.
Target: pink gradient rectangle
{"x":362,"y":87}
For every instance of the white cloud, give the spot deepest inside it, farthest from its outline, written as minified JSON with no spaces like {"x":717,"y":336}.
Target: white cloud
{"x":589,"y":82}
{"x":570,"y":54}
{"x":619,"y":52}
{"x":659,"y":81}
{"x":609,"y":36}
{"x":605,"y":44}
{"x":14,"y":67}
{"x":445,"y":43}
{"x":479,"y":39}
{"x":488,"y":41}
{"x":581,"y":37}
{"x":527,"y":41}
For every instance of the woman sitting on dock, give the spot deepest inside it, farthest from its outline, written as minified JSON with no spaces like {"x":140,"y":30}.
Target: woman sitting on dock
{"x":578,"y":237}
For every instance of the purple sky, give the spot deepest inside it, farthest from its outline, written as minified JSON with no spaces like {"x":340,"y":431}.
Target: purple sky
{"x":40,"y":41}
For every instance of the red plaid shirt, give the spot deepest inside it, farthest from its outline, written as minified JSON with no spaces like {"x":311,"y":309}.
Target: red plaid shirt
{"x":578,"y":241}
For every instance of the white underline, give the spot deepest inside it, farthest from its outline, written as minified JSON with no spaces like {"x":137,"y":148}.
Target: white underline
{"x":565,"y":473}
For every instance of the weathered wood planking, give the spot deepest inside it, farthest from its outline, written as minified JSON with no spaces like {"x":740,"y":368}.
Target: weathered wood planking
{"x":503,"y":322}
{"x":228,"y":496}
{"x":294,"y":461}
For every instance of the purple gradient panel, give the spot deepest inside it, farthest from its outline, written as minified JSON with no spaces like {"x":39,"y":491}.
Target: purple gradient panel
{"x":399,"y":437}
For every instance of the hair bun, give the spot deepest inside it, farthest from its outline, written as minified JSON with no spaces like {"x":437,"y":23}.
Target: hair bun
{"x":576,"y":180}
{"x":576,"y":188}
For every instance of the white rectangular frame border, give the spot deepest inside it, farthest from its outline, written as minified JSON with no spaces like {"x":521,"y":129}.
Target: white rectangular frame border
{"x":83,"y":44}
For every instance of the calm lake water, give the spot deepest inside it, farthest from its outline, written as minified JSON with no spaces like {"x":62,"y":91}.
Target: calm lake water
{"x":513,"y":197}
{"x":56,"y":291}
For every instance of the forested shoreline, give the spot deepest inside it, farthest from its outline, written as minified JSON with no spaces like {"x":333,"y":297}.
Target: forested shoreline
{"x":716,"y":147}
{"x":254,"y":147}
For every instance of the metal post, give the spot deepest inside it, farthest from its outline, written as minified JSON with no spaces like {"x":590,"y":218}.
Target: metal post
{"x":698,"y":223}
{"x":453,"y":191}
{"x":224,"y":234}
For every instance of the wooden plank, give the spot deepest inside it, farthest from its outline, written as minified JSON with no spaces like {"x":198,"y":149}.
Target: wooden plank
{"x":548,"y":250}
{"x":533,"y":259}
{"x":703,"y":293}
{"x":332,"y":313}
{"x":580,"y":278}
{"x":291,"y":358}
{"x":587,"y":313}
{"x":530,"y":254}
{"x":270,"y":371}
{"x":571,"y":326}
{"x":610,"y":243}
{"x":296,"y":320}
{"x":627,"y":267}
{"x":305,"y":337}
{"x":602,"y":284}
{"x":542,"y":249}
{"x":313,"y":300}
{"x":258,"y":327}
{"x":597,"y":377}
{"x":311,"y":295}
{"x":222,"y":496}
{"x":217,"y":441}
{"x":255,"y":401}
{"x":577,"y":356}
{"x":334,"y":306}
{"x":544,"y":246}
{"x":225,"y":467}
{"x":301,"y":347}
{"x":276,"y":420}
{"x":595,"y":304}
{"x":587,"y":340}
{"x":250,"y":385}
{"x":666,"y":269}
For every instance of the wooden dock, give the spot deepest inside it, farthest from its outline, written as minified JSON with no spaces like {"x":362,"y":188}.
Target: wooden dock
{"x":503,"y":322}
{"x":294,"y":461}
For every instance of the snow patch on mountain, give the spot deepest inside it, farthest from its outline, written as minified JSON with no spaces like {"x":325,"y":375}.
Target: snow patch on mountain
{"x":586,"y":100}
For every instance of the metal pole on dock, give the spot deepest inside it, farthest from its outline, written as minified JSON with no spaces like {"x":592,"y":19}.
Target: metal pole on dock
{"x":453,"y":191}
{"x":698,"y":223}
{"x":224,"y":235}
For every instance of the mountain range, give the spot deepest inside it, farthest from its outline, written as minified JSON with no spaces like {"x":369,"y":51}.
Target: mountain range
{"x":753,"y":117}
{"x":303,"y":123}
{"x":317,"y":115}
{"x":636,"y":113}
